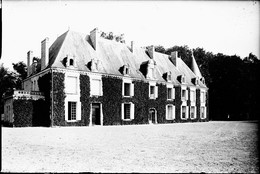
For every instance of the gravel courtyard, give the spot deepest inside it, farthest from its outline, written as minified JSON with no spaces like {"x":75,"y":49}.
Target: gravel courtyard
{"x":181,"y":147}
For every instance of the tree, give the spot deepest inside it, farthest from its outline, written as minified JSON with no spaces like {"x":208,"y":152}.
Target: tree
{"x":111,"y":36}
{"x":21,"y":69}
{"x":7,"y":83}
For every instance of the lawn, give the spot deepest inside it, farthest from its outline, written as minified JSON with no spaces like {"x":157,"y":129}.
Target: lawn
{"x":181,"y":147}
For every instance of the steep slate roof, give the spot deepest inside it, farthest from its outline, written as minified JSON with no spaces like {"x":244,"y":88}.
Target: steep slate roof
{"x":113,"y":55}
{"x":195,"y":68}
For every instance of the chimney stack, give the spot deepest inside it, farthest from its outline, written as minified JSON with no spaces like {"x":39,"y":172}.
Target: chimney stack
{"x":150,"y":50}
{"x":174,"y":57}
{"x":29,"y":59}
{"x":94,"y":37}
{"x":44,"y":53}
{"x":132,"y":46}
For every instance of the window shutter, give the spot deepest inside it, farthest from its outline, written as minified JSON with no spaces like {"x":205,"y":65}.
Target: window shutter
{"x":186,"y":95}
{"x":101,"y":88}
{"x":122,"y":110}
{"x":173,"y":93}
{"x":187,"y":111}
{"x":132,"y":89}
{"x":205,"y":112}
{"x":156,"y":91}
{"x":173,"y":112}
{"x":123,"y":89}
{"x":132,"y":115}
{"x":149,"y":91}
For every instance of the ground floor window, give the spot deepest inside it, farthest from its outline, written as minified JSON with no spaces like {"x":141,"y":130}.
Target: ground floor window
{"x":127,"y":111}
{"x":184,"y":112}
{"x":203,"y":112}
{"x":72,"y":110}
{"x":192,"y":112}
{"x":170,"y":112}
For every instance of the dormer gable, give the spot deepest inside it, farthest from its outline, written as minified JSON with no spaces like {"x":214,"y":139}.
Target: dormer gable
{"x":195,"y":80}
{"x":125,"y":70}
{"x":69,"y":61}
{"x":151,"y":64}
{"x":181,"y":79}
{"x":168,"y":76}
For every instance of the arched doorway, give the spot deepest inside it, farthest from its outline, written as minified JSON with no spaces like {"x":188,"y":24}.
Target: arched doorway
{"x":152,"y":118}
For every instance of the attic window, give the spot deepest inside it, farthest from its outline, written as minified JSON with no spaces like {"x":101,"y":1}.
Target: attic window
{"x":202,"y":80}
{"x":71,"y":62}
{"x":181,"y":79}
{"x":169,"y":76}
{"x":195,"y":81}
{"x":126,"y":70}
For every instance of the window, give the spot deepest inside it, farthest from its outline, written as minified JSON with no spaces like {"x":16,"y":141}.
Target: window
{"x":128,"y":89}
{"x":192,"y":112}
{"x":202,"y":97}
{"x":96,"y":87}
{"x":170,"y":112}
{"x":71,"y":62}
{"x":184,"y":112}
{"x":184,"y":95}
{"x":72,"y":110}
{"x":169,"y":76}
{"x":153,"y":92}
{"x":127,"y":111}
{"x":71,"y":85}
{"x":170,"y":93}
{"x":202,"y":112}
{"x":192,"y":96}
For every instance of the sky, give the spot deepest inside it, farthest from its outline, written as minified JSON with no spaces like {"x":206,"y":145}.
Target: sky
{"x":228,"y":27}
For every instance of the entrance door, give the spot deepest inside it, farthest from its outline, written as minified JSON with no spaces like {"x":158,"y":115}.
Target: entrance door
{"x":152,"y":115}
{"x":95,"y":114}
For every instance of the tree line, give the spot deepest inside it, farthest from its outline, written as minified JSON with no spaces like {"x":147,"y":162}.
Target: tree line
{"x":232,"y":81}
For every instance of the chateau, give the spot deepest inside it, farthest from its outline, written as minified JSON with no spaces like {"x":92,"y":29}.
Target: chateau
{"x":86,"y":80}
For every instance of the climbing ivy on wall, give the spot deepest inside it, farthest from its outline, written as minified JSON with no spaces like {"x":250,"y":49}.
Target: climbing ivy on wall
{"x":23,"y":111}
{"x":84,"y":98}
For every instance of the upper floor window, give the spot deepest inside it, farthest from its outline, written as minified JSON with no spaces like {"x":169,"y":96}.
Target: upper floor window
{"x":153,"y":91}
{"x":71,"y":84}
{"x":128,"y":88}
{"x":71,"y":62}
{"x":202,"y":97}
{"x":184,"y":94}
{"x":96,"y":87}
{"x":192,"y":95}
{"x":170,"y":93}
{"x":126,"y":69}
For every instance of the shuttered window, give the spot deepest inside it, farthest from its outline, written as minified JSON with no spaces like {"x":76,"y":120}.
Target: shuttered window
{"x":72,"y":110}
{"x":127,"y":89}
{"x":183,"y":112}
{"x":170,"y":112}
{"x":127,"y":111}
{"x":96,"y":87}
{"x":192,"y":112}
{"x":71,"y":85}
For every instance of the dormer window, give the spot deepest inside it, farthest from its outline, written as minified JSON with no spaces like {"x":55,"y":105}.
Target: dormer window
{"x":181,"y":79}
{"x":195,"y":81}
{"x":151,"y":69}
{"x":95,"y":64}
{"x":202,"y":80}
{"x":71,"y":62}
{"x":169,"y":76}
{"x":126,"y":69}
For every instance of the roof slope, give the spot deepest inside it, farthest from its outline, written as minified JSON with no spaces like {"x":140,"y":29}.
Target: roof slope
{"x":113,"y":55}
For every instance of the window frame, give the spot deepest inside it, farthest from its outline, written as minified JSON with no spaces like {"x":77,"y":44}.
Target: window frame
{"x":131,"y":92}
{"x":186,"y":113}
{"x":70,"y":109}
{"x":67,"y":83}
{"x":204,"y":113}
{"x":132,"y":111}
{"x":173,"y":112}
{"x":98,"y":78}
{"x":155,"y":95}
{"x":195,"y":113}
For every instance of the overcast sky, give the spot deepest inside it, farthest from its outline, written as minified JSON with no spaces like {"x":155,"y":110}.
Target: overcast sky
{"x":220,"y":27}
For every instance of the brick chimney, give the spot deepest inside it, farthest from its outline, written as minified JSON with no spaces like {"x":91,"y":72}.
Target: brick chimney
{"x":132,"y":46}
{"x":94,"y":37}
{"x":29,"y":59}
{"x":150,"y":50}
{"x":44,"y":53}
{"x":174,"y":57}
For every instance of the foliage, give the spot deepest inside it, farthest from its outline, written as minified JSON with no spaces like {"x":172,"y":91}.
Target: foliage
{"x":84,"y":98}
{"x":111,"y":36}
{"x":23,"y":111}
{"x":21,"y":69}
{"x":7,"y":83}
